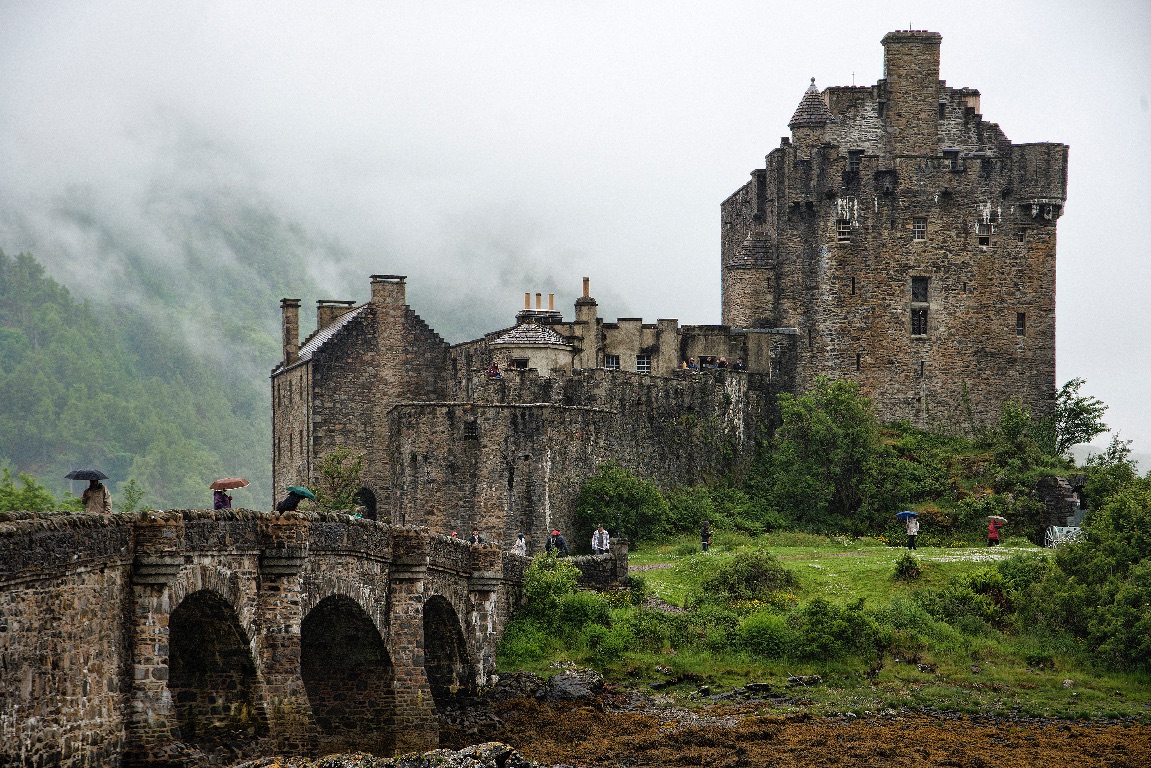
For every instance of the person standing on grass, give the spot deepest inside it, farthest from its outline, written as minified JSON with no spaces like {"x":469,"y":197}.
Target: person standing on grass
{"x":912,"y":530}
{"x":993,"y":527}
{"x":705,"y":535}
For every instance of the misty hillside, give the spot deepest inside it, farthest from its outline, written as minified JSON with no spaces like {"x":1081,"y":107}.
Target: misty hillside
{"x":93,"y":385}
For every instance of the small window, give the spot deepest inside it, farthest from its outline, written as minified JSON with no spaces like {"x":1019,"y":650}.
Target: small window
{"x":519,"y":364}
{"x":854,"y":158}
{"x":842,"y":231}
{"x":965,"y":287}
{"x":853,"y":286}
{"x":919,"y":287}
{"x":1020,"y":324}
{"x":943,"y":110}
{"x":983,"y":233}
{"x":611,"y":362}
{"x":921,"y":367}
{"x":882,"y":107}
{"x":643,"y":363}
{"x":951,"y":159}
{"x":919,"y":322}
{"x":1021,"y":236}
{"x":858,"y":360}
{"x":471,"y":430}
{"x":919,"y":228}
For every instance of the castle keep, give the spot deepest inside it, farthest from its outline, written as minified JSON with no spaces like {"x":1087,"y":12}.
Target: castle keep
{"x":909,"y":242}
{"x":895,"y":238}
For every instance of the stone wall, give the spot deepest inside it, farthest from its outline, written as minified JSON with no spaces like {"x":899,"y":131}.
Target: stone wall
{"x":188,"y":637}
{"x":64,"y":644}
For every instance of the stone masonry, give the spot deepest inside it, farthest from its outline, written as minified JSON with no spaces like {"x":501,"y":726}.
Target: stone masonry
{"x":194,"y":638}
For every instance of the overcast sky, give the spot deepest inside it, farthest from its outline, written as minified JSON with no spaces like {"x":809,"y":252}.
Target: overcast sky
{"x":487,"y":149}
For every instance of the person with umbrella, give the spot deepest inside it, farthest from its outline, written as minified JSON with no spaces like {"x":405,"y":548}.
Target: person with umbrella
{"x":292,"y":500}
{"x":912,"y":521}
{"x":96,"y":499}
{"x":220,"y":497}
{"x":994,"y":523}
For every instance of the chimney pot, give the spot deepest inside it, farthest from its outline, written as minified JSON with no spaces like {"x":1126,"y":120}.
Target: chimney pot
{"x":586,"y":287}
{"x":551,"y":302}
{"x":539,"y":304}
{"x":527,"y":300}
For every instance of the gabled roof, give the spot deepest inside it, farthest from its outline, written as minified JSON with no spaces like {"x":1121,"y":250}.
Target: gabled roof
{"x":811,"y":110}
{"x":318,"y":338}
{"x":531,"y":333}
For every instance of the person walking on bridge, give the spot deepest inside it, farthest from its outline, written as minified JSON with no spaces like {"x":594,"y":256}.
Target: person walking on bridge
{"x":600,"y":541}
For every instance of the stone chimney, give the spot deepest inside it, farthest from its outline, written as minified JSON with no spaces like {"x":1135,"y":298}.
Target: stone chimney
{"x":389,"y":290}
{"x":911,"y":78}
{"x":290,"y":323}
{"x":329,"y":310}
{"x":586,"y":328}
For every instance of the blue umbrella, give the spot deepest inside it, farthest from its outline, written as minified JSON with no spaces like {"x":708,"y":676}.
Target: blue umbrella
{"x":300,"y":490}
{"x":906,"y":514}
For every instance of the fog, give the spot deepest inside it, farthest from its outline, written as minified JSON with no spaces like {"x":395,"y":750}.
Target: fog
{"x":488,"y":149}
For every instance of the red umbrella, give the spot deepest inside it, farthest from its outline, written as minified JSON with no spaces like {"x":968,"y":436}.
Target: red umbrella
{"x":228,"y":483}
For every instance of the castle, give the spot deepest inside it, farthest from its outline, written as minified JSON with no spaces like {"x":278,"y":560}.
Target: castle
{"x":895,"y":238}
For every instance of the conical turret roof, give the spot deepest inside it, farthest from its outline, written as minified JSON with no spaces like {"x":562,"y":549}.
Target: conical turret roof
{"x":811,"y":110}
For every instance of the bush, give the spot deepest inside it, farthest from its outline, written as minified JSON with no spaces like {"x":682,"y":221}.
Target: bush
{"x":524,"y":641}
{"x":625,"y":504}
{"x":907,"y":567}
{"x":825,"y":631}
{"x":546,"y":582}
{"x":578,"y":610}
{"x":767,"y":635}
{"x":747,"y":576}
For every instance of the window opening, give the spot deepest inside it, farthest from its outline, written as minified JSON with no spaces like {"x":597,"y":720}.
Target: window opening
{"x":1021,"y":235}
{"x":853,"y":286}
{"x":858,"y":359}
{"x":643,"y":363}
{"x":519,"y":364}
{"x":921,"y":369}
{"x":919,"y":322}
{"x":942,"y":110}
{"x":471,"y":430}
{"x":1020,"y":324}
{"x":846,"y":215}
{"x":854,"y":157}
{"x":611,"y":362}
{"x":919,"y":228}
{"x":951,"y":159}
{"x":882,"y":107}
{"x":987,"y":218}
{"x":919,"y":287}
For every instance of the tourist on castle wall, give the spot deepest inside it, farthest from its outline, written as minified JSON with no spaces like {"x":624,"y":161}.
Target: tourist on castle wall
{"x":221,"y":500}
{"x":475,"y":538}
{"x":600,"y":541}
{"x":738,"y":364}
{"x":521,"y":546}
{"x":557,"y":542}
{"x":494,"y":371}
{"x":705,"y":535}
{"x":96,"y":498}
{"x":692,"y":365}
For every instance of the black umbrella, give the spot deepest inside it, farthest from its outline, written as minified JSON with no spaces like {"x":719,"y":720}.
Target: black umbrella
{"x":85,"y":474}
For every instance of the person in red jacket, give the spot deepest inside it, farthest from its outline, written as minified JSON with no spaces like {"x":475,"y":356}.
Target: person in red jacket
{"x":993,"y":527}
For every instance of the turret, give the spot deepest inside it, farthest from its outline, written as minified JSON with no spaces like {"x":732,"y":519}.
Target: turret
{"x":810,"y":117}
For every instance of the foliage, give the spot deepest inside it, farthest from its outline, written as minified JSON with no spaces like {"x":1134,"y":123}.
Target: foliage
{"x":546,"y":582}
{"x":748,"y":575}
{"x":824,"y":630}
{"x":625,"y":504}
{"x":1078,"y":419}
{"x":340,"y":479}
{"x":131,"y":494}
{"x":907,"y":567}
{"x":827,"y":465}
{"x":31,"y":496}
{"x":122,"y":392}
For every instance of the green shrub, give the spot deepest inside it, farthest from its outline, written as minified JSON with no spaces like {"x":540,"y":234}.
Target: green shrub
{"x":907,"y":567}
{"x":546,"y":582}
{"x":628,"y":506}
{"x":748,"y":575}
{"x":767,"y":635}
{"x":826,"y":631}
{"x":524,"y":641}
{"x":578,"y":610}
{"x":637,"y":589}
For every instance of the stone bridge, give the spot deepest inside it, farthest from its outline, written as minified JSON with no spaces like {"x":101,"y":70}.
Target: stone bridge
{"x":196,"y":638}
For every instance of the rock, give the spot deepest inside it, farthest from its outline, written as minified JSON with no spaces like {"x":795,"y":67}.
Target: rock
{"x":575,"y":684}
{"x":1068,"y":683}
{"x":794,"y":681}
{"x":490,"y":755}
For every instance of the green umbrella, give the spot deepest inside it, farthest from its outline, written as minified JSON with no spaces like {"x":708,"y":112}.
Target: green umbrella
{"x":300,"y":490}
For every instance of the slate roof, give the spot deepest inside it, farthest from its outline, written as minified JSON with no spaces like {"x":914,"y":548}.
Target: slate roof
{"x":319,"y":337}
{"x":531,"y":333}
{"x":811,"y":110}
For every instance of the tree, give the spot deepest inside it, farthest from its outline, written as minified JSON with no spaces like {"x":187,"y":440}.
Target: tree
{"x":131,"y":494}
{"x":827,"y":462}
{"x":1078,"y":418}
{"x":29,"y":497}
{"x":625,"y":504}
{"x":341,"y":478}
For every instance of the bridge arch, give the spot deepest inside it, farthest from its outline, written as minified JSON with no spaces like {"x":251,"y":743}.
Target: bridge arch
{"x":211,"y":674}
{"x":446,"y":663}
{"x":348,"y":677}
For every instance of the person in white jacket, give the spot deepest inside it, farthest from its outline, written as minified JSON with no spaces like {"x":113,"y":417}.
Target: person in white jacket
{"x":912,"y":530}
{"x":600,"y":541}
{"x":521,"y":546}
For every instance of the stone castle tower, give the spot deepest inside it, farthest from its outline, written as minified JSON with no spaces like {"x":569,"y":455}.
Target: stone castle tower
{"x":908,"y":241}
